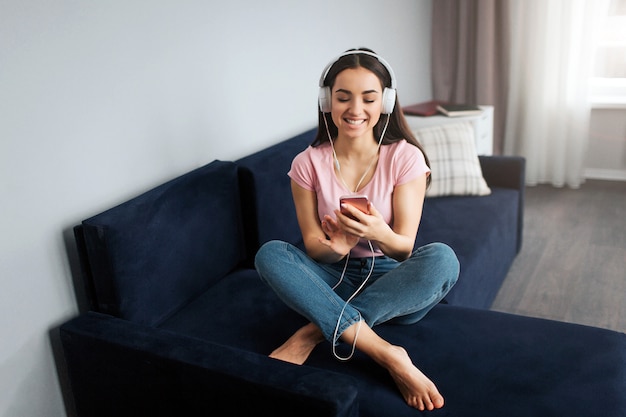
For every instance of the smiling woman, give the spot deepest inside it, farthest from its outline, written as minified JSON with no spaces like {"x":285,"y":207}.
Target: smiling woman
{"x":363,"y":145}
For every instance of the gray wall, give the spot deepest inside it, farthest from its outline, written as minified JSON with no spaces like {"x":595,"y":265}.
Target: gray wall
{"x":606,"y":153}
{"x":101,"y":100}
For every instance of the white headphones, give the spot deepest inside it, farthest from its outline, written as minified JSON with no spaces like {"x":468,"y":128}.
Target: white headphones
{"x":389,"y":94}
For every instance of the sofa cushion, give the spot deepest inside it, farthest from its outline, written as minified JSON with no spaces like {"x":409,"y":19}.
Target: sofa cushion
{"x":268,"y":208}
{"x":454,"y":163}
{"x":483,"y":231}
{"x":243,"y":312}
{"x":156,"y":252}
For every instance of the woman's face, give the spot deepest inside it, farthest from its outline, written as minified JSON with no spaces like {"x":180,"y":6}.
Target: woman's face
{"x":356,"y":102}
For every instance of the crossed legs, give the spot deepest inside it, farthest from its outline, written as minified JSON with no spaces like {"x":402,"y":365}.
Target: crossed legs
{"x":417,"y":390}
{"x":403,"y":295}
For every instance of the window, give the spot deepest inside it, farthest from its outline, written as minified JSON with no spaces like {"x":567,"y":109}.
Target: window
{"x":608,"y":87}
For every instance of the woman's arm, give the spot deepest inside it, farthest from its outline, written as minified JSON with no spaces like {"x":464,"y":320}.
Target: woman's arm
{"x":408,"y":201}
{"x":323,"y":241}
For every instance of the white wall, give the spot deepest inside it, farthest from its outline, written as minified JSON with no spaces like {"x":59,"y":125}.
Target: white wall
{"x":101,"y":100}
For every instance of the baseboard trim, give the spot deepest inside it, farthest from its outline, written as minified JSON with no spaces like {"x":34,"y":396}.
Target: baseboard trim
{"x":605,"y":174}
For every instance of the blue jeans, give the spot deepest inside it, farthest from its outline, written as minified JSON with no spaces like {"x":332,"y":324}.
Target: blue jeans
{"x":398,"y":292}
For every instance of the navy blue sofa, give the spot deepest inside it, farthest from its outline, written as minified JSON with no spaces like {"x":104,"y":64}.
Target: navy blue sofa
{"x":181,"y":325}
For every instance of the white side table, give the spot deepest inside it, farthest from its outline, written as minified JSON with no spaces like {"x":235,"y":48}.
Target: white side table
{"x":482,"y":123}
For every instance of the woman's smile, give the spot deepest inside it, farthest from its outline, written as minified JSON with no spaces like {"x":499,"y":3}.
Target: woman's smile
{"x":355,"y":122}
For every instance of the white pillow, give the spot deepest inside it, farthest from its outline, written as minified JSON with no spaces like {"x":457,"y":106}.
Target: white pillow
{"x":454,"y":164}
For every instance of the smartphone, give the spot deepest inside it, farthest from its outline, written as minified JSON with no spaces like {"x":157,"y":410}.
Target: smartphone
{"x":358,"y":201}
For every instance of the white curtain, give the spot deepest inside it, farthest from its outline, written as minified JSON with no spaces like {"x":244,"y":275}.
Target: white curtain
{"x":548,"y":111}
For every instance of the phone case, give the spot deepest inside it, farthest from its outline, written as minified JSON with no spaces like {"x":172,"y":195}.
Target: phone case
{"x":358,"y":201}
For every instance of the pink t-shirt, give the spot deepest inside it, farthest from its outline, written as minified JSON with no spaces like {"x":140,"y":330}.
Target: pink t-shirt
{"x":398,"y":163}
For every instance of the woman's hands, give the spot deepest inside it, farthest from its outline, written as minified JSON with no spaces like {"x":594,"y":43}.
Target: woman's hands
{"x":397,"y":240}
{"x":344,"y":232}
{"x":338,"y":240}
{"x":370,"y":226}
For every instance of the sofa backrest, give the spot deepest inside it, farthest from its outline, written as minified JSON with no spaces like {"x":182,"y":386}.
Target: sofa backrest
{"x":154,"y":253}
{"x":268,"y":209}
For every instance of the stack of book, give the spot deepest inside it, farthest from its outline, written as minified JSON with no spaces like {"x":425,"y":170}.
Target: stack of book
{"x":434,"y":107}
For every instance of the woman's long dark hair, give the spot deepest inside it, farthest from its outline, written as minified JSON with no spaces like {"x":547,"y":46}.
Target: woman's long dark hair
{"x":397,"y":128}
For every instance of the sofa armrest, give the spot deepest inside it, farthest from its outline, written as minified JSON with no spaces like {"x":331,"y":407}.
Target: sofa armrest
{"x":507,"y":172}
{"x":119,"y":368}
{"x":503,"y":171}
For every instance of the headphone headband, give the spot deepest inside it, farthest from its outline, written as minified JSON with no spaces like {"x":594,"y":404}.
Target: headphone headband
{"x":361,"y":52}
{"x":389,"y":93}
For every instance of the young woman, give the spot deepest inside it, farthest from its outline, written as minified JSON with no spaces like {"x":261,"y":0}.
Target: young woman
{"x":360,"y":269}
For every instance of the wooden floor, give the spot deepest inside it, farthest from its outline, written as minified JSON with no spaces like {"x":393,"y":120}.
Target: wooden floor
{"x":572,"y":266}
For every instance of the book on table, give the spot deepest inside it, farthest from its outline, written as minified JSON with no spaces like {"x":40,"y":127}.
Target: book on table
{"x":456,"y":110}
{"x":424,"y":109}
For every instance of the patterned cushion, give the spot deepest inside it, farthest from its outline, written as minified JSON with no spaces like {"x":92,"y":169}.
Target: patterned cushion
{"x":453,"y":160}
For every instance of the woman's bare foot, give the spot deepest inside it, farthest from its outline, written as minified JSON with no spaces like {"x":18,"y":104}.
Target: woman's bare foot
{"x":418,"y":391}
{"x":299,"y":346}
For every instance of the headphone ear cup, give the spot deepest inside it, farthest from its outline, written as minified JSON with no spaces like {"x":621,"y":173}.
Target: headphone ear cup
{"x":389,"y":100}
{"x":324,"y":99}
